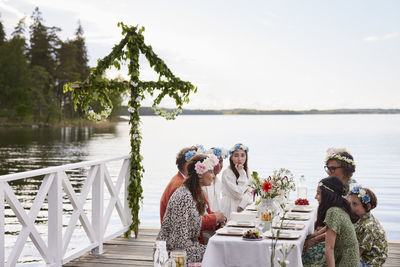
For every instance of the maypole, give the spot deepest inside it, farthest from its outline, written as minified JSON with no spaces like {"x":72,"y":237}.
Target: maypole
{"x":97,"y":89}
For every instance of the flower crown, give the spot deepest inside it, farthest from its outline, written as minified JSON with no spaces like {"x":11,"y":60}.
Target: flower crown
{"x":361,"y":193}
{"x":238,"y":147}
{"x":326,"y":187}
{"x":333,"y":153}
{"x":219,"y":152}
{"x":191,"y":153}
{"x":206,"y":165}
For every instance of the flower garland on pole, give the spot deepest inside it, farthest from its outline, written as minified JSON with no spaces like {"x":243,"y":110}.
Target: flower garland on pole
{"x":96,"y":89}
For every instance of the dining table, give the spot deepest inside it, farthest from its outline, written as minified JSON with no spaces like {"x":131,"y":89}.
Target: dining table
{"x":227,"y":248}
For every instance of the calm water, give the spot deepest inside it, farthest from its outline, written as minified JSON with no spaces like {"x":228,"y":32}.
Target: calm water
{"x":296,"y":142}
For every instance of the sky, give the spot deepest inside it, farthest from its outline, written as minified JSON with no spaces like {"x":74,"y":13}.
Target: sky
{"x":311,"y":54}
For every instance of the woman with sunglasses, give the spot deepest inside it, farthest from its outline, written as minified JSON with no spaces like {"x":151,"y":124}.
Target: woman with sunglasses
{"x":340,"y":163}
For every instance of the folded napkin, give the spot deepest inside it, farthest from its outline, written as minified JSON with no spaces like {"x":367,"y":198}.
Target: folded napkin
{"x":243,"y":216}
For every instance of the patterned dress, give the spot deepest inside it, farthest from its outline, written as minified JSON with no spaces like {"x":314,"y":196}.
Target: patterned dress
{"x":346,"y":250}
{"x":181,"y":225}
{"x":372,"y":238}
{"x":317,"y":252}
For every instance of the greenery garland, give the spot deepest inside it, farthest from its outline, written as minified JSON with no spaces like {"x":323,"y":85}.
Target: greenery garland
{"x":96,"y":89}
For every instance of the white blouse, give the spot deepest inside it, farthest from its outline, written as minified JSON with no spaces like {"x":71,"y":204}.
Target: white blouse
{"x":235,"y":194}
{"x":213,"y":194}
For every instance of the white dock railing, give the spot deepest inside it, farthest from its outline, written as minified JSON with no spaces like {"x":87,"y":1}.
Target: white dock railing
{"x":54,"y":183}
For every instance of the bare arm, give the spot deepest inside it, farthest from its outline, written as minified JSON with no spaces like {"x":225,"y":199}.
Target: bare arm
{"x":330,"y":240}
{"x":317,"y":233}
{"x":314,"y":240}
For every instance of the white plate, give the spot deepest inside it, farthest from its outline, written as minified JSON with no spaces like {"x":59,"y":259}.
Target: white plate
{"x":288,"y":225}
{"x":297,"y":216}
{"x":306,"y":208}
{"x":231,"y":231}
{"x":283,"y":234}
{"x":252,"y":239}
{"x":251,"y":207}
{"x":240,"y":223}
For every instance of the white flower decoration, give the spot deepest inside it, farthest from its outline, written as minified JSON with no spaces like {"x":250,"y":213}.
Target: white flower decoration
{"x":362,"y":192}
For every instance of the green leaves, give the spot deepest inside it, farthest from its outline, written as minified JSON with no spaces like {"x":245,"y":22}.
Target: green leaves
{"x":97,"y":89}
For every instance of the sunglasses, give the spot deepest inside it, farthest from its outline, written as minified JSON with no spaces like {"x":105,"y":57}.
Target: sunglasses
{"x":331,"y":169}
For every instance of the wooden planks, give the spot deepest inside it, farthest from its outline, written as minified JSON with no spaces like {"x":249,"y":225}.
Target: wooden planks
{"x":122,"y":252}
{"x":139,"y":252}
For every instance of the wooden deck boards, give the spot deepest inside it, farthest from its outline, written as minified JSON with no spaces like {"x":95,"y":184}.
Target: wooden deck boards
{"x":139,"y":252}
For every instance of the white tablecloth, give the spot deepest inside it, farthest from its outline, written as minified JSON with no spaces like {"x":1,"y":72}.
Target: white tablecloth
{"x":233,"y":251}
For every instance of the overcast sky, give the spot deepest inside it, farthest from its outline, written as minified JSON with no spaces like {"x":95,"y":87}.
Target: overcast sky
{"x":250,"y":54}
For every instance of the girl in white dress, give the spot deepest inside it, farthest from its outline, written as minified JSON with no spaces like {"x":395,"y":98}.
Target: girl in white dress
{"x":236,"y":193}
{"x":213,"y":192}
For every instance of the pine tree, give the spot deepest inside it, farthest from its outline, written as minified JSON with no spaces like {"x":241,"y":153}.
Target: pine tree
{"x":14,"y":79}
{"x":2,"y":33}
{"x":19,"y":30}
{"x":44,"y":42}
{"x":72,"y":66}
{"x":81,"y":55}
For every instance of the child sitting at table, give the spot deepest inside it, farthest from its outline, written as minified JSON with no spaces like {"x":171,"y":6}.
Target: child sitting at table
{"x":370,"y":234}
{"x":236,"y":193}
{"x":335,"y":215}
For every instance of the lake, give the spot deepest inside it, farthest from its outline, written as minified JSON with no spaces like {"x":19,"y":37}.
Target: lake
{"x":295,"y":142}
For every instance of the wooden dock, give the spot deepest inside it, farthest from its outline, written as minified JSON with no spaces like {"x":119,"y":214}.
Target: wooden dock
{"x":139,"y":252}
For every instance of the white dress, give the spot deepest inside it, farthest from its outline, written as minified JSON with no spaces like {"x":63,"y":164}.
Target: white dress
{"x":213,"y":194}
{"x":234,"y":194}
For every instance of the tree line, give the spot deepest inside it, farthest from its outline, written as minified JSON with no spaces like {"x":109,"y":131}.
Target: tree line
{"x":33,"y":71}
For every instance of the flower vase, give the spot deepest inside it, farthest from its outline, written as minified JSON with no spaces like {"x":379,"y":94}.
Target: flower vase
{"x":267,"y":210}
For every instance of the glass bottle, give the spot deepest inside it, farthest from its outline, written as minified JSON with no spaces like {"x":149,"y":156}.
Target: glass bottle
{"x":302,"y":188}
{"x":160,"y":256}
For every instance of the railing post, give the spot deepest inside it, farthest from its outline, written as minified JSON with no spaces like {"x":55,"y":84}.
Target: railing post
{"x":2,"y":216}
{"x":126,"y":192}
{"x":55,"y":220}
{"x":98,"y":208}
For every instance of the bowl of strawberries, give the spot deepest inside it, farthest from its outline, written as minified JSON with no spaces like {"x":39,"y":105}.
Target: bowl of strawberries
{"x":302,"y":202}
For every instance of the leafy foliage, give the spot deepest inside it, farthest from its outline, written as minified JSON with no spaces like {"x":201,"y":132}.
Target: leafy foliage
{"x":97,"y":89}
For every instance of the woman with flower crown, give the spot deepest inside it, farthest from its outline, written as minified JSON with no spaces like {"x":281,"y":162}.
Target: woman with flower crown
{"x":236,"y":192}
{"x":336,"y":218}
{"x":213,"y":192}
{"x":370,"y":234}
{"x":340,"y":163}
{"x":181,"y":224}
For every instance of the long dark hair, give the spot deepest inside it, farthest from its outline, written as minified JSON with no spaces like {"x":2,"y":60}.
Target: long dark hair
{"x":332,"y":195}
{"x":192,"y":183}
{"x":233,"y":168}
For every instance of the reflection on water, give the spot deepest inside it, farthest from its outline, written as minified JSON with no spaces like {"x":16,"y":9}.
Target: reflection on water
{"x":23,"y":149}
{"x":295,"y":142}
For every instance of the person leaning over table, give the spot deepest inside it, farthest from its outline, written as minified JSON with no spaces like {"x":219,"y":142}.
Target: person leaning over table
{"x":340,"y":163}
{"x":211,"y":220}
{"x":335,"y":216}
{"x":181,"y":224}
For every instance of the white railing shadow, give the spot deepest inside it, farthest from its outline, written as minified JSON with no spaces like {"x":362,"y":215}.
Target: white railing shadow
{"x":53,"y":185}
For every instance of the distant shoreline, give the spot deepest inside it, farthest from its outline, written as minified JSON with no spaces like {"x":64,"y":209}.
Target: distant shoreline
{"x":147,"y":111}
